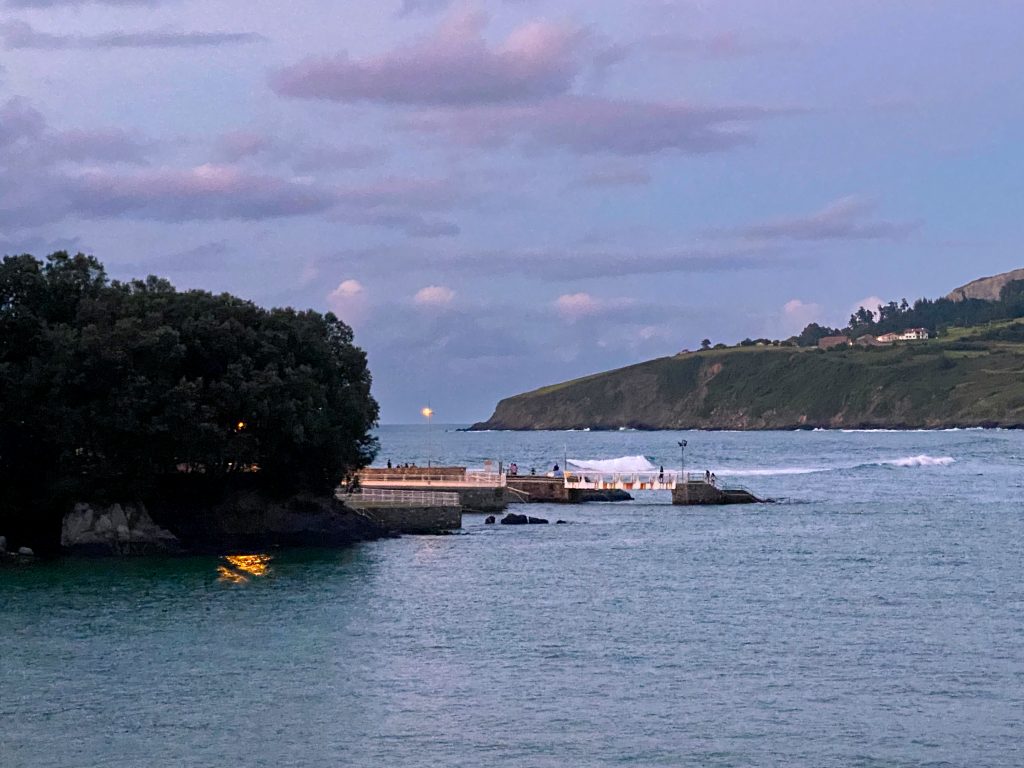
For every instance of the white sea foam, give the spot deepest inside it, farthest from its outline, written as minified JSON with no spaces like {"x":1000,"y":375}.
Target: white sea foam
{"x":919,"y":461}
{"x":903,"y":462}
{"x":621,"y":465}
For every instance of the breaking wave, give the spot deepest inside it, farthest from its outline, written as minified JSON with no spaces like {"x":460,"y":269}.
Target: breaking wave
{"x":904,"y":462}
{"x":919,"y":461}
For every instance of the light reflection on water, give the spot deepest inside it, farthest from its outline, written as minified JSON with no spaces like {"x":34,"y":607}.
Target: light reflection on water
{"x":240,"y":568}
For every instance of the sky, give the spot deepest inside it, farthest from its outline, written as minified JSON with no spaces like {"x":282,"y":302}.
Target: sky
{"x":502,"y":195}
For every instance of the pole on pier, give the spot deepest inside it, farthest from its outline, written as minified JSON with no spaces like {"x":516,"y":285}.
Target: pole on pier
{"x":682,"y":470}
{"x":427,"y":413}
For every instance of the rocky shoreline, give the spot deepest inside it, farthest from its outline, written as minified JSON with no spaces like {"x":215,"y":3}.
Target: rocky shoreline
{"x":239,"y":522}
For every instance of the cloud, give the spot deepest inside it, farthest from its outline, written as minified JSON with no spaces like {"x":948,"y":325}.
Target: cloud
{"x":623,"y":176}
{"x":63,"y":3}
{"x":453,"y":67}
{"x":21,"y":35}
{"x":596,"y":125}
{"x":434,"y":296}
{"x":19,"y":120}
{"x":870,"y":303}
{"x":576,"y":264}
{"x":845,"y":219}
{"x":573,"y":306}
{"x":204,"y":192}
{"x":797,"y":315}
{"x":109,"y":145}
{"x":348,"y":301}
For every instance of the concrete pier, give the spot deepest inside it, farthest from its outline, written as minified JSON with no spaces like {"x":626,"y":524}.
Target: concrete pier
{"x":477,"y":491}
{"x":412,"y":512}
{"x":700,"y":493}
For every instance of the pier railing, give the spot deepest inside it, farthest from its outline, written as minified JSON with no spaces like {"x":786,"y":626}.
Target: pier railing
{"x":382,"y":497}
{"x":471,"y":478}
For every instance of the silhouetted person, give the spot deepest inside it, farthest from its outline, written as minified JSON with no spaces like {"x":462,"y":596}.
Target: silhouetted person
{"x":389,"y":463}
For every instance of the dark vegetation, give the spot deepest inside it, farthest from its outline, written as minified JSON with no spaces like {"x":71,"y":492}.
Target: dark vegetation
{"x":111,"y":391}
{"x":937,"y":315}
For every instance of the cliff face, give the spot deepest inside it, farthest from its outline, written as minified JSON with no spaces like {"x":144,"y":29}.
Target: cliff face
{"x":986,"y":288}
{"x":927,"y":386}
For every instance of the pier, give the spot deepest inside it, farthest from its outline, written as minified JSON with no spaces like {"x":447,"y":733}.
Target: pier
{"x":576,"y":487}
{"x":477,"y":490}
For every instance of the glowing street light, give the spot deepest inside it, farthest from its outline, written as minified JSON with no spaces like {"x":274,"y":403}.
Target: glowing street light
{"x":428,"y":412}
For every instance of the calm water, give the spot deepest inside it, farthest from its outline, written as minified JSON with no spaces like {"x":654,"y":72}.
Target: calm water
{"x":873,"y":617}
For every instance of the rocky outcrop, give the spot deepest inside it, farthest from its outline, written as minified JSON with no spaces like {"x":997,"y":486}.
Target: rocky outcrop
{"x":254,"y":521}
{"x":114,"y":530}
{"x":986,"y":288}
{"x":513,"y":519}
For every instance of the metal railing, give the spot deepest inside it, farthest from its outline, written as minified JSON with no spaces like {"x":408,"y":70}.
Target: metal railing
{"x":470,"y":478}
{"x":386,"y":496}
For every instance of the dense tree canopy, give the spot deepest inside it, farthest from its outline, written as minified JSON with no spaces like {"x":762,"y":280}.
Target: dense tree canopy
{"x":105,"y":387}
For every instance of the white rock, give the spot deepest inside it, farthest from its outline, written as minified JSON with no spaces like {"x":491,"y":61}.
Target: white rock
{"x":26,"y":552}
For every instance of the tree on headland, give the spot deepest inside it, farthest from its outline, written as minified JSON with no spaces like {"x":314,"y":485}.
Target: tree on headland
{"x":106,"y":388}
{"x":705,"y":344}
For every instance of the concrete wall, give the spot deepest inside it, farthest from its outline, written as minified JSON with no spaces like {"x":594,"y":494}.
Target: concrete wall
{"x":549,"y":490}
{"x":482,"y":499}
{"x":415,"y":520}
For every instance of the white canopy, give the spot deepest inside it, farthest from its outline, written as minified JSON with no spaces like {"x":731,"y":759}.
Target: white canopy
{"x":623,"y":465}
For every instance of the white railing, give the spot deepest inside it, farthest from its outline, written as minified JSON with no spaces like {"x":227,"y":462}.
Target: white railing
{"x":382,"y":496}
{"x":472,"y":478}
{"x":638,"y":481}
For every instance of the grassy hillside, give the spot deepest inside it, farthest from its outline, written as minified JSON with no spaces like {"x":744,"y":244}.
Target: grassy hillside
{"x":973,"y":377}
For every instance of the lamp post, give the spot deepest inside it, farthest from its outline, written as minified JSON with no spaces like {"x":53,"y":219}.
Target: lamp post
{"x":427,"y":413}
{"x":682,"y":470}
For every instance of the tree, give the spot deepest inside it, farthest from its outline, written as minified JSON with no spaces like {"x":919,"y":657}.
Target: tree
{"x":106,"y":388}
{"x":705,"y":344}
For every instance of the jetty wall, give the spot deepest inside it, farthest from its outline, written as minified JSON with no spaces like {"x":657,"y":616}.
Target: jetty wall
{"x":415,"y":520}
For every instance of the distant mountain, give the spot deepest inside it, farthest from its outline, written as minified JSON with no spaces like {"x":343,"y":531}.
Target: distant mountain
{"x":985,"y":288}
{"x":971,"y":379}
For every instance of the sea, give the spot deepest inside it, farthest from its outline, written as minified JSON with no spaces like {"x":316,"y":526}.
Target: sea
{"x":872,"y":615}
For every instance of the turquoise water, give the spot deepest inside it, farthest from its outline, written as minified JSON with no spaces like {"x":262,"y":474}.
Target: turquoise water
{"x":873,"y":617}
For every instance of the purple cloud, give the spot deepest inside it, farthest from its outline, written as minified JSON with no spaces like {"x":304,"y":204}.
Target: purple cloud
{"x":206,"y":192}
{"x":19,"y":120}
{"x":454,"y":67}
{"x":109,"y":145}
{"x":616,"y":176}
{"x":62,"y":3}
{"x":593,"y":125}
{"x":20,"y":35}
{"x":844,"y":219}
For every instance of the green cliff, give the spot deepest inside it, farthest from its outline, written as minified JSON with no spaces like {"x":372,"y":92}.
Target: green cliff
{"x":973,"y":377}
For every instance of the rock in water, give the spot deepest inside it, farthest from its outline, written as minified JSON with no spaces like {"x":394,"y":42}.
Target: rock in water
{"x":513,"y":519}
{"x":490,"y":520}
{"x":26,"y":552}
{"x":114,"y":530}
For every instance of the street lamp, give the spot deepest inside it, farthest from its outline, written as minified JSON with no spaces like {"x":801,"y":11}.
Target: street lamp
{"x":682,"y":470}
{"x":427,"y":413}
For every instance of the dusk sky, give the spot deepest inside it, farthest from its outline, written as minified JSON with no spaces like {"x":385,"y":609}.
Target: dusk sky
{"x":499,"y":196}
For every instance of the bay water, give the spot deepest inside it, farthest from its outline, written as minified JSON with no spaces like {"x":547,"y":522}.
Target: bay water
{"x":872,"y":616}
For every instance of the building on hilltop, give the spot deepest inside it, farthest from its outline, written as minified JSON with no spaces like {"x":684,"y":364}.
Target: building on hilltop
{"x":867,"y":340}
{"x":915,"y":334}
{"x":831,"y":342}
{"x":888,"y":338}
